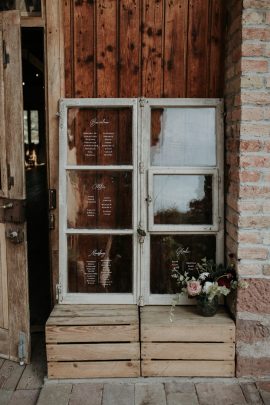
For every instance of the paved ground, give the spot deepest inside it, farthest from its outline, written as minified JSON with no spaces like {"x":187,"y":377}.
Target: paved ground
{"x":25,"y":386}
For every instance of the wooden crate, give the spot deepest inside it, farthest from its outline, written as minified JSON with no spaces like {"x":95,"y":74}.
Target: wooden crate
{"x":189,"y":346}
{"x":88,"y":341}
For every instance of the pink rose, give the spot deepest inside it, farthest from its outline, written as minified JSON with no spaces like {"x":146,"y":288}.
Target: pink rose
{"x":193,"y":288}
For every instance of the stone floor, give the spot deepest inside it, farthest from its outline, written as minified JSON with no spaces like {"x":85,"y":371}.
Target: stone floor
{"x":25,"y":385}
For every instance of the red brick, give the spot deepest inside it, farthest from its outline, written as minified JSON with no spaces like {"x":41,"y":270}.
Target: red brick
{"x":245,"y":269}
{"x":255,"y":298}
{"x":254,"y":221}
{"x":253,"y":206}
{"x":256,"y":253}
{"x":252,"y":114}
{"x":249,"y":237}
{"x":262,"y":34}
{"x":259,"y":98}
{"x":253,"y":17}
{"x":251,"y":331}
{"x":252,"y":367}
{"x":255,"y":161}
{"x":256,"y":4}
{"x":250,"y":146}
{"x":250,"y":65}
{"x":254,"y":191}
{"x":249,"y":177}
{"x":253,"y":49}
{"x":255,"y":129}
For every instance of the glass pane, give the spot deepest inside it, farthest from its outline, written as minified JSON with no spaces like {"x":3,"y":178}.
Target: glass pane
{"x":34,"y":127}
{"x":183,"y":199}
{"x":27,"y":7}
{"x":100,"y":263}
{"x":166,"y":249}
{"x":183,"y":137}
{"x":25,"y":126}
{"x":99,"y":136}
{"x":99,"y":199}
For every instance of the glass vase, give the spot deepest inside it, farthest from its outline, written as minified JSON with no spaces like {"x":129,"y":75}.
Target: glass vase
{"x":206,"y":307}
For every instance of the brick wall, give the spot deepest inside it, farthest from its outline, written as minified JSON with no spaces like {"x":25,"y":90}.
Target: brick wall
{"x":247,"y":100}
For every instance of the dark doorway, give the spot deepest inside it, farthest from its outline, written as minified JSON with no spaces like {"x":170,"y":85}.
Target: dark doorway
{"x":36,"y":174}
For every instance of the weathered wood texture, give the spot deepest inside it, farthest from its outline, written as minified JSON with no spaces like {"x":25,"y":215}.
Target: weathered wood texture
{"x":14,"y":307}
{"x":189,"y":345}
{"x":86,"y":341}
{"x":131,"y":48}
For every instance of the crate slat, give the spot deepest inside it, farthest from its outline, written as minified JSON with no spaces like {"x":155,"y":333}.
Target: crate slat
{"x":188,"y":351}
{"x":93,"y":351}
{"x":190,"y":368}
{"x":85,"y":333}
{"x":92,"y":369}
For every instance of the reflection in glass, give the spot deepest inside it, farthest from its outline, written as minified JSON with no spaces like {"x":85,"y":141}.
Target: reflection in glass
{"x":100,"y":263}
{"x":183,"y":137}
{"x":166,"y":249}
{"x":99,"y":199}
{"x":99,"y":136}
{"x":27,"y":7}
{"x":183,"y":199}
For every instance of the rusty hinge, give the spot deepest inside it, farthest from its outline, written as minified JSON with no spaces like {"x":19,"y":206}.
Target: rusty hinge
{"x":58,"y":292}
{"x":52,"y":198}
{"x":12,"y":211}
{"x":22,"y":350}
{"x":6,"y":58}
{"x":10,"y":178}
{"x":51,"y":221}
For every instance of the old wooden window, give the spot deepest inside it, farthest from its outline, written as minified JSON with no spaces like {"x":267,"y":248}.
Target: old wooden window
{"x":27,"y":8}
{"x":140,"y":180}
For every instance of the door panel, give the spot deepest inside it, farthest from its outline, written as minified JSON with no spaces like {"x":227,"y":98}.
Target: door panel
{"x":14,"y":306}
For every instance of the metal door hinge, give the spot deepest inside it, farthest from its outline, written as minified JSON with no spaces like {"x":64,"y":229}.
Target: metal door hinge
{"x":12,"y":211}
{"x":52,"y":198}
{"x":58,"y":290}
{"x":15,"y":235}
{"x":141,"y":167}
{"x":51,"y":221}
{"x":6,"y":58}
{"x":140,"y":301}
{"x":22,"y":348}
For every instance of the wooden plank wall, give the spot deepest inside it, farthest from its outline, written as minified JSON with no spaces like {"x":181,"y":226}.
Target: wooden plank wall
{"x":151,"y":48}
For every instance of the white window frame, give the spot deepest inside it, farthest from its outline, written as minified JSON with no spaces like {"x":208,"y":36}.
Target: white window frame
{"x":142,"y":187}
{"x":66,"y":297}
{"x":146,"y":187}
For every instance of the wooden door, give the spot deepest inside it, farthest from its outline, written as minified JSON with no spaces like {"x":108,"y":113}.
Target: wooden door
{"x":14,"y":303}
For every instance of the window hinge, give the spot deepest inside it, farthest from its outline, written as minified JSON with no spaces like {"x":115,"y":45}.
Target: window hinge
{"x":51,"y":221}
{"x":58,"y":290}
{"x":219,"y":220}
{"x":6,"y":58}
{"x":142,"y":102}
{"x":141,"y":168}
{"x":22,"y":348}
{"x":219,"y":179}
{"x":140,"y":301}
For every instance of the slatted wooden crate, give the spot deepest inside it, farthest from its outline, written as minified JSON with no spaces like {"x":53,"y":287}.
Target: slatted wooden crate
{"x":85,"y":341}
{"x":190,"y":345}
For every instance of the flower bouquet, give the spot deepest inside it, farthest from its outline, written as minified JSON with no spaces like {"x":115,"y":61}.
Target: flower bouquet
{"x":206,"y":282}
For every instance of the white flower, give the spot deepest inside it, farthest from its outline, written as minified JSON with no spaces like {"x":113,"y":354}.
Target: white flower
{"x":203,"y":276}
{"x":207,"y":286}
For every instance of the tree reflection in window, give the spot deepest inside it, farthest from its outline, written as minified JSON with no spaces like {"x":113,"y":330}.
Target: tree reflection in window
{"x":174,"y":201}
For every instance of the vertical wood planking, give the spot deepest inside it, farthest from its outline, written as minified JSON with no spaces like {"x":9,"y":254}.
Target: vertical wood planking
{"x":68,"y":41}
{"x":129,"y":48}
{"x":152,"y":31}
{"x":217,"y":27}
{"x":13,"y":104}
{"x":107,"y":56}
{"x":84,"y":85}
{"x":3,"y":171}
{"x":198,"y":49}
{"x":175,"y":46}
{"x":55,"y":90}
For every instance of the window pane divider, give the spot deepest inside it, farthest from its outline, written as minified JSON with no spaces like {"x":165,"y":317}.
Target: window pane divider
{"x":73,"y":231}
{"x":99,"y":167}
